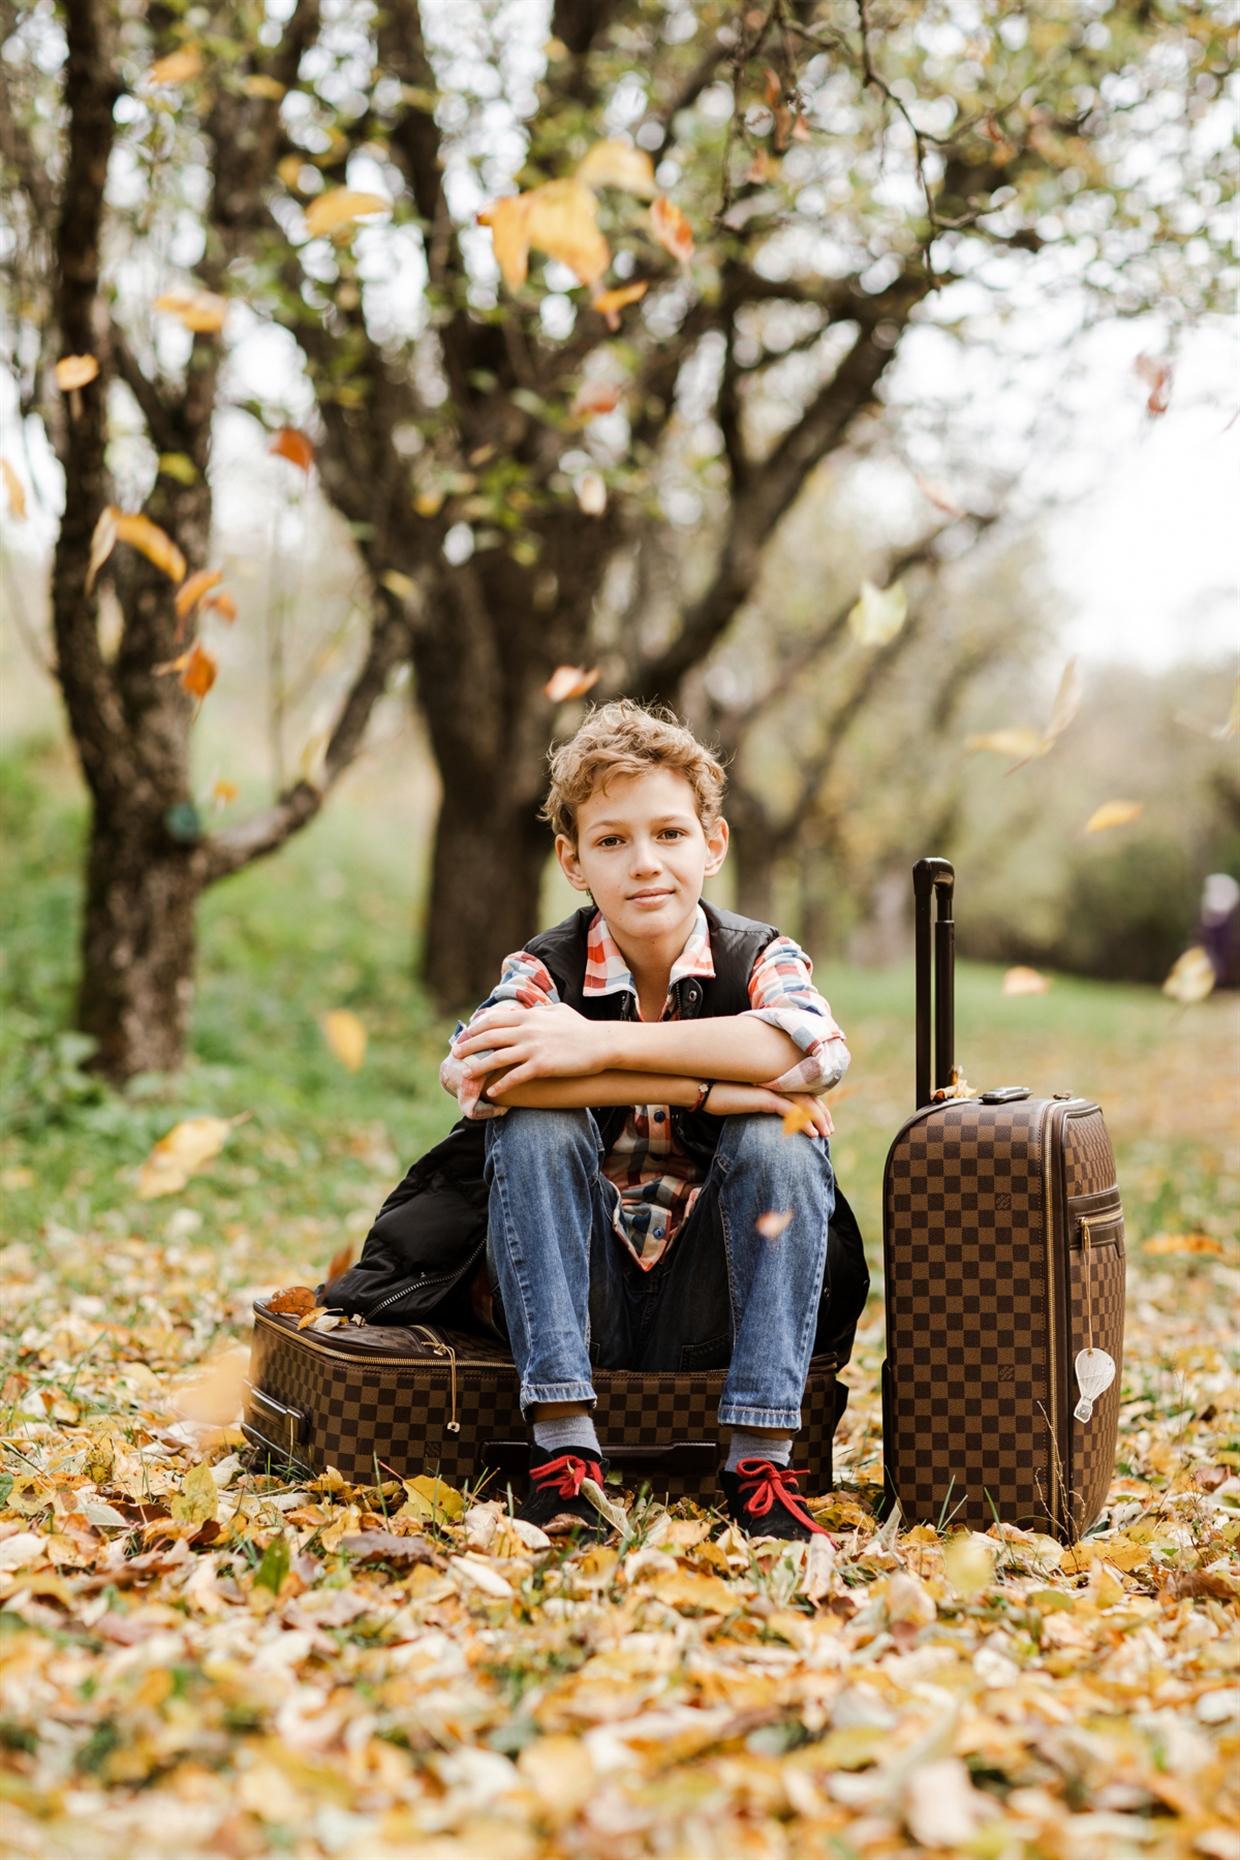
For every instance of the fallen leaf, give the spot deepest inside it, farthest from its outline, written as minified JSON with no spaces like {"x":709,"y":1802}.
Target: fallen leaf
{"x":570,"y":681}
{"x":1155,"y":371}
{"x":591,"y":492}
{"x":177,"y":68}
{"x":938,"y":495}
{"x":293,"y":445}
{"x":293,"y":1302}
{"x":346,"y":1036}
{"x":194,"y":587}
{"x":199,"y":671}
{"x":198,"y":1500}
{"x":387,"y":1547}
{"x":310,"y":1317}
{"x":402,"y":586}
{"x":770,"y":1226}
{"x":1172,"y":1244}
{"x":152,"y":542}
{"x":187,"y":1148}
{"x":942,"y":1809}
{"x":102,"y":542}
{"x":595,"y":397}
{"x":1022,"y":981}
{"x":685,"y":1589}
{"x":214,"y":1395}
{"x":339,"y":207}
{"x":797,"y":1117}
{"x":428,"y":1497}
{"x":74,"y":371}
{"x":609,"y":304}
{"x":879,"y":614}
{"x":1191,"y":978}
{"x":14,"y":491}
{"x":671,"y":229}
{"x":477,"y":1573}
{"x":202,"y":311}
{"x":618,"y":164}
{"x":1113,"y":814}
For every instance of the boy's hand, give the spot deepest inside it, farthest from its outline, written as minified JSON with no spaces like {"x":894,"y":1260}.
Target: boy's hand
{"x":729,"y":1100}
{"x":535,"y":1043}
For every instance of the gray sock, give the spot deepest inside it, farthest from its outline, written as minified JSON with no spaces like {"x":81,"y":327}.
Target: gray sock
{"x":567,"y":1430}
{"x":746,"y":1445}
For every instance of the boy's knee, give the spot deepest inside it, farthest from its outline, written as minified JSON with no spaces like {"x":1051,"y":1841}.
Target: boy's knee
{"x":758,"y":1140}
{"x":525,"y":1129}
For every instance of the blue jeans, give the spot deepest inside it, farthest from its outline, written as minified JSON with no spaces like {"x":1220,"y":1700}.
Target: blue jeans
{"x":573,"y":1295}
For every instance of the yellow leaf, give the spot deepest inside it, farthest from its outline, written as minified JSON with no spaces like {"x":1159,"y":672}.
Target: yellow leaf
{"x":1113,"y":814}
{"x":178,"y":465}
{"x":1164,"y":1244}
{"x":288,"y":168}
{"x":508,"y":221}
{"x":428,"y":503}
{"x":198,"y":674}
{"x":260,"y":85}
{"x":797,"y":1117}
{"x":198,"y":1500}
{"x":192,"y":590}
{"x":402,"y":586}
{"x":294,"y":446}
{"x":152,"y":542}
{"x":1027,"y":744}
{"x":311,"y":1316}
{"x":771,"y":1225}
{"x":14,"y":491}
{"x":1021,"y":741}
{"x":561,"y":221}
{"x":569,"y":681}
{"x":1022,"y":981}
{"x":618,"y":164}
{"x":74,"y":371}
{"x":428,"y":1497}
{"x":969,"y":1561}
{"x":340,"y":206}
{"x":879,"y":614}
{"x":201,"y":311}
{"x":554,"y":1768}
{"x":1064,"y":709}
{"x":591,"y":492}
{"x":346,"y":1036}
{"x":213,"y":1396}
{"x":102,"y":542}
{"x":671,"y":229}
{"x":682,"y":1588}
{"x":177,"y":68}
{"x":1191,"y":978}
{"x":223,"y":792}
{"x":186,"y":1149}
{"x":610,"y":303}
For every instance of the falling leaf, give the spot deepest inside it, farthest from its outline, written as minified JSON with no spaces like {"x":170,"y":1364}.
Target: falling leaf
{"x":938,"y":495}
{"x":293,"y":445}
{"x":770,"y":1226}
{"x":507,"y":219}
{"x":594,"y":397}
{"x":618,"y":164}
{"x":221,"y":602}
{"x":879,"y":614}
{"x":1172,"y":1244}
{"x":1064,"y":709}
{"x":1026,"y":743}
{"x":293,"y":1302}
{"x":1022,"y":981}
{"x":14,"y":491}
{"x":402,"y":586}
{"x":214,"y":1395}
{"x":1022,"y":741}
{"x":178,"y":465}
{"x":797,"y":1117}
{"x":194,"y":587}
{"x":258,"y":84}
{"x":346,"y":1037}
{"x":339,"y":207}
{"x":201,"y":311}
{"x":561,"y":221}
{"x":152,"y":542}
{"x":1155,"y":371}
{"x":198,"y":1500}
{"x":222,"y":792}
{"x":1113,"y":814}
{"x":74,"y":371}
{"x":177,"y":68}
{"x":1192,"y":977}
{"x":340,"y":1261}
{"x":187,"y":1148}
{"x":198,"y":673}
{"x":570,"y":681}
{"x":428,"y":503}
{"x":289,"y":168}
{"x":671,"y":229}
{"x":102,"y":542}
{"x":591,"y":493}
{"x":969,"y":1561}
{"x":610,"y":303}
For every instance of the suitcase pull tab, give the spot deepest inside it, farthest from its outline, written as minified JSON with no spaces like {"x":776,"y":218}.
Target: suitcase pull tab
{"x":443,"y":1349}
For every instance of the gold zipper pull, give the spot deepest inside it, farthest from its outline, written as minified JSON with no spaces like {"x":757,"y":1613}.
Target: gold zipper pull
{"x":1085,"y":1240}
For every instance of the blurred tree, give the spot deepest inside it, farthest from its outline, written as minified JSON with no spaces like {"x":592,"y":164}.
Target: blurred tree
{"x":510,"y":454}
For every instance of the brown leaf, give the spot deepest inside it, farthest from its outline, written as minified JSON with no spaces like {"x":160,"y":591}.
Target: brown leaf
{"x":295,"y":1301}
{"x":74,"y":371}
{"x":202,"y":311}
{"x":610,"y":303}
{"x":570,"y":681}
{"x":346,"y":1037}
{"x":340,"y":207}
{"x":194,"y":587}
{"x":771,"y":1225}
{"x":177,"y":68}
{"x":294,"y":446}
{"x":389,"y":1547}
{"x":14,"y":490}
{"x":340,"y":1261}
{"x":199,"y":671}
{"x":222,"y":603}
{"x":1114,"y":814}
{"x":618,"y":164}
{"x":671,"y":229}
{"x":1155,"y":371}
{"x":152,"y":542}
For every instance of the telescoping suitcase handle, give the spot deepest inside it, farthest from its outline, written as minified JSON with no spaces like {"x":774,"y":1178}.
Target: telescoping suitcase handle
{"x":935,"y":878}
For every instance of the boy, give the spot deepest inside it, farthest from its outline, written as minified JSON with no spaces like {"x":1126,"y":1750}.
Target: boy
{"x":636,"y":1063}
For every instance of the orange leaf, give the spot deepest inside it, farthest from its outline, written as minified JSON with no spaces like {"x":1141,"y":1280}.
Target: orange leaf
{"x":202,"y":311}
{"x":508,"y":221}
{"x":152,"y":542}
{"x":216,"y":1394}
{"x":222,"y":603}
{"x":198,"y":672}
{"x":177,"y":68}
{"x":618,"y":164}
{"x":774,"y":88}
{"x":294,"y":1302}
{"x":569,"y":681}
{"x":339,"y":207}
{"x":770,"y":1226}
{"x":610,"y":303}
{"x":797,"y":1117}
{"x":672,"y":229}
{"x":1156,"y":373}
{"x":1169,"y":1244}
{"x":102,"y":542}
{"x":74,"y":371}
{"x":596,"y":397}
{"x":191,"y":592}
{"x":294,"y":446}
{"x":561,"y":221}
{"x":340,"y":1261}
{"x":346,"y":1036}
{"x":14,"y":490}
{"x":223,"y":792}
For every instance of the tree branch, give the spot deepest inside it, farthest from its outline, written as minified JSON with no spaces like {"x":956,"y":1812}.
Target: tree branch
{"x":161,"y":419}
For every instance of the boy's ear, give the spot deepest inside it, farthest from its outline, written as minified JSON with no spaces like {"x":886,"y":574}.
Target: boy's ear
{"x":716,"y":847}
{"x":570,"y":865}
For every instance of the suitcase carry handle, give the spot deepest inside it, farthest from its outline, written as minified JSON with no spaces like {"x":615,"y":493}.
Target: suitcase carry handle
{"x":937,"y":878}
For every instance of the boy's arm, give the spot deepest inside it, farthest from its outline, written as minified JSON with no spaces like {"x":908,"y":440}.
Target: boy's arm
{"x":626,"y":1088}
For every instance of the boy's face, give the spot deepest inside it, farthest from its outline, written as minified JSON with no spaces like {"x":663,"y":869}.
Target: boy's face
{"x":642,"y":852}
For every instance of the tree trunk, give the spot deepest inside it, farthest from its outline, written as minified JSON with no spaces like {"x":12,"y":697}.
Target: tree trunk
{"x":486,"y":874}
{"x":137,"y":985}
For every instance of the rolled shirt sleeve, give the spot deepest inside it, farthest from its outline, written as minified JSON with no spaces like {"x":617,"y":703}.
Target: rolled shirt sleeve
{"x":782,"y":992}
{"x":525,"y":981}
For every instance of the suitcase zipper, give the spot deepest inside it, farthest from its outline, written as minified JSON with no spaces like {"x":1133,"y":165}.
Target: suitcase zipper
{"x":437,"y":1344}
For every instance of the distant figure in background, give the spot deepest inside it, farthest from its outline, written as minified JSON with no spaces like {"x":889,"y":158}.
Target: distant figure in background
{"x":1219,"y":933}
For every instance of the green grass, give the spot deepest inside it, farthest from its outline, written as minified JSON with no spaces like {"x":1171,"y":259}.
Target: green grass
{"x":329,"y":924}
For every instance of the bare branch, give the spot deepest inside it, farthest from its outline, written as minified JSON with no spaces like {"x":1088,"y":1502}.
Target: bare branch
{"x":161,"y":419}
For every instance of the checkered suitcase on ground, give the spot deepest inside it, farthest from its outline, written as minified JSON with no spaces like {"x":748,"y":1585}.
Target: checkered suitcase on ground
{"x":1003,"y":1254}
{"x":423,"y":1399}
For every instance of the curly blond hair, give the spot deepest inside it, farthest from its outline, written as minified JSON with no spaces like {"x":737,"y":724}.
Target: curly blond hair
{"x":625,"y":738}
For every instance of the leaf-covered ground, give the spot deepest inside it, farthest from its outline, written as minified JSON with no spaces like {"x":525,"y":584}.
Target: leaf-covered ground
{"x":195,"y":1661}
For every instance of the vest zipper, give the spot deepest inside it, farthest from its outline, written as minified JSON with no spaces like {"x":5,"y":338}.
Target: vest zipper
{"x":417,"y":1284}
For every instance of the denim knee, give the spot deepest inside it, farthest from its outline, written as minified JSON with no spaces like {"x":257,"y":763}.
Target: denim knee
{"x":758,"y":1140}
{"x":527,"y":1131}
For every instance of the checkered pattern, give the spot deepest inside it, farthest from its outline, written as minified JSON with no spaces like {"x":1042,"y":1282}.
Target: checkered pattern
{"x":1088,"y":1160}
{"x":397,"y":1405}
{"x":1092,"y":1458}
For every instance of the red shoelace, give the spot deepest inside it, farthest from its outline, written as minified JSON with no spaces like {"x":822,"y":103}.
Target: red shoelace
{"x":567,"y":1475}
{"x":763,"y":1485}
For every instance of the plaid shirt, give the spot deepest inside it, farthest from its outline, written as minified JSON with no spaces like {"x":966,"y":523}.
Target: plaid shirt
{"x":657,"y":1183}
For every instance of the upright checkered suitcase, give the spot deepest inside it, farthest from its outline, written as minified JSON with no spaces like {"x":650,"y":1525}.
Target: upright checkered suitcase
{"x":1003,"y":1255}
{"x":373,"y":1399}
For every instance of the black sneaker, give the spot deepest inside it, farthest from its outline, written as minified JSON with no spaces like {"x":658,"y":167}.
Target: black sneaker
{"x":763,"y":1499}
{"x":556,"y":1502}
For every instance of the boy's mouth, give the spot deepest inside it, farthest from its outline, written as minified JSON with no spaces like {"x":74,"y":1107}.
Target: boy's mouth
{"x":652,"y":895}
